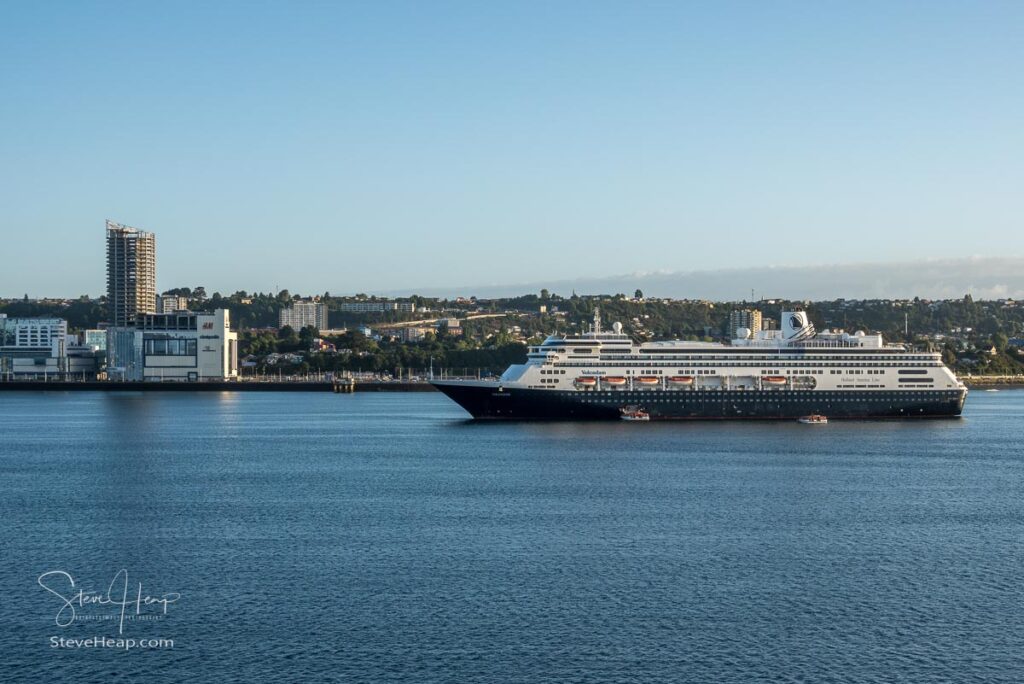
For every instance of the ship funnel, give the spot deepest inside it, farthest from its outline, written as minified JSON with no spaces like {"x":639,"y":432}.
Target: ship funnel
{"x":796,"y":326}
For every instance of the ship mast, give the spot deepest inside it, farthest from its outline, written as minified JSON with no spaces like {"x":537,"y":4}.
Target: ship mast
{"x":597,"y":321}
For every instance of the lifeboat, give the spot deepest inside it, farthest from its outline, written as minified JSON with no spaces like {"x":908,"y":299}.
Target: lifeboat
{"x":586,"y":382}
{"x":773,"y":380}
{"x":647,"y":380}
{"x":680,"y":380}
{"x":614,"y":381}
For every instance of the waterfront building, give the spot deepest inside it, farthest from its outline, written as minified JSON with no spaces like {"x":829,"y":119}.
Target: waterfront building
{"x":122,"y":361}
{"x":181,"y":346}
{"x":50,"y":333}
{"x":82,"y":362}
{"x":95,"y":338}
{"x":302,"y":314}
{"x":41,"y":349}
{"x":131,"y":273}
{"x":171,"y":303}
{"x":749,"y":319}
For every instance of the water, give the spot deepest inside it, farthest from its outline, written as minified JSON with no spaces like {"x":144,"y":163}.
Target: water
{"x":379,"y":537}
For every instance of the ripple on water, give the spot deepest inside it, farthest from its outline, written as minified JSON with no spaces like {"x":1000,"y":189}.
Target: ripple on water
{"x":381,"y":537}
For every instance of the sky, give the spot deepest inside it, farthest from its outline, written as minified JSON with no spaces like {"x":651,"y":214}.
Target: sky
{"x":372,"y":146}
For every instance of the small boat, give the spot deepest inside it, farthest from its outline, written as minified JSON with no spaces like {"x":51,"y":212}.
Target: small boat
{"x":647,"y":380}
{"x":680,"y":380}
{"x":991,"y":389}
{"x":614,"y":381}
{"x":813,"y":419}
{"x":633,"y":413}
{"x":586,"y":381}
{"x":773,"y":380}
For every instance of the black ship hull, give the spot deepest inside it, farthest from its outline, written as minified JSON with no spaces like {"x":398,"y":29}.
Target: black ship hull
{"x":490,"y":401}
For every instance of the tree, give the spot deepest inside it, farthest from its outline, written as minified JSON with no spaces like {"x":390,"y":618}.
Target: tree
{"x":544,"y":294}
{"x":307,"y":334}
{"x":639,"y":294}
{"x":199,"y":293}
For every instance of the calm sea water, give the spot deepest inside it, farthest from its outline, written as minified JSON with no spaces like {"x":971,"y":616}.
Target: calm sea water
{"x":380,"y":537}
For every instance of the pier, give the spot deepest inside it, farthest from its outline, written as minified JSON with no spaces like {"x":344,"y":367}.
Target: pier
{"x":341,"y":386}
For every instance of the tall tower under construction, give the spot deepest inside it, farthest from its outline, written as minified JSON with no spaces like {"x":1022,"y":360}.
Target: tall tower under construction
{"x":131,"y":273}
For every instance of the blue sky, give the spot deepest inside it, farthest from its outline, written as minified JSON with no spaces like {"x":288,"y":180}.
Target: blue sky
{"x":387,"y":146}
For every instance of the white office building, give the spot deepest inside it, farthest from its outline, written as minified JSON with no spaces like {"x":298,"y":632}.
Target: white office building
{"x":33,"y":332}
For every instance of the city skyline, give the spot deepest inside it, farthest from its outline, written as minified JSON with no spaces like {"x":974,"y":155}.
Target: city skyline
{"x":405,"y":147}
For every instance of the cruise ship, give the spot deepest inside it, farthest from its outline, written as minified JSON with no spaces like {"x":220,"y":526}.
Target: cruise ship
{"x":786,"y":373}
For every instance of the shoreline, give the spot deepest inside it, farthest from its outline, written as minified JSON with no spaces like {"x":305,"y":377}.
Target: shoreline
{"x":994,"y":382}
{"x":210,"y":386}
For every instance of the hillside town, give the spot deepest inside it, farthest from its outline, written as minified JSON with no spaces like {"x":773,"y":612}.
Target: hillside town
{"x":134,"y":333}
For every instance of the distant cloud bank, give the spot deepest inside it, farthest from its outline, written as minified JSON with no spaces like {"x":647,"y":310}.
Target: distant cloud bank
{"x":982,"y":277}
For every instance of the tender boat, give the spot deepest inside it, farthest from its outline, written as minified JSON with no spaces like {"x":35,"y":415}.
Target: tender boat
{"x":634,"y":413}
{"x":647,"y":381}
{"x":615,"y":381}
{"x":680,"y":380}
{"x":586,"y":381}
{"x":773,"y":380}
{"x":813,"y":419}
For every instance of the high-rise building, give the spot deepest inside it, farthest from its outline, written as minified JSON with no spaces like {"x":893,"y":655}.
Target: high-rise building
{"x":302,"y":314}
{"x":743,"y":318}
{"x":131,"y":273}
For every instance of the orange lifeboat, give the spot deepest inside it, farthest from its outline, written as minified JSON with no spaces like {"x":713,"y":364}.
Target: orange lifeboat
{"x":614,"y":381}
{"x":647,"y":380}
{"x":773,"y":380}
{"x":680,"y":380}
{"x":586,"y":382}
